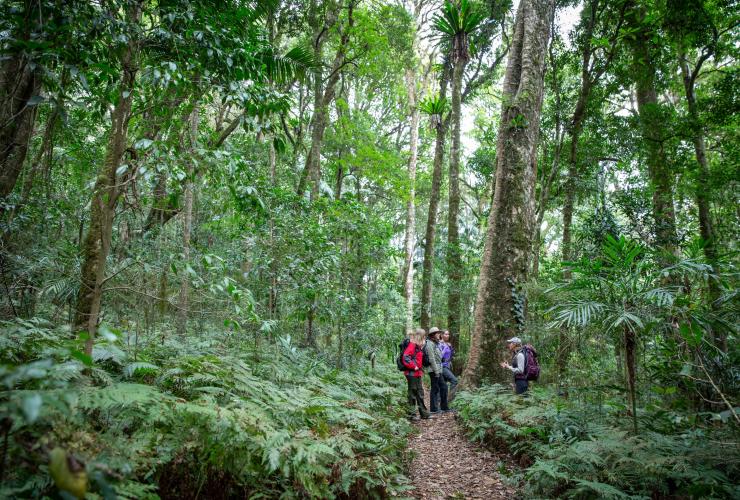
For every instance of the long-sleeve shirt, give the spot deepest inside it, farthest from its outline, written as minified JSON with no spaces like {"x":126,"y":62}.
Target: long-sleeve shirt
{"x":446,"y":352}
{"x":518,"y":364}
{"x":412,"y":358}
{"x":435,"y":360}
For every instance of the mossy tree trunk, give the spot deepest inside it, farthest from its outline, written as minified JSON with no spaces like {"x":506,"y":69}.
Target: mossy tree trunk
{"x":20,"y":81}
{"x":454,"y":252}
{"x":653,"y":133}
{"x":190,"y":134}
{"x":97,"y":241}
{"x":703,"y":186}
{"x":430,"y":233}
{"x":508,"y":241}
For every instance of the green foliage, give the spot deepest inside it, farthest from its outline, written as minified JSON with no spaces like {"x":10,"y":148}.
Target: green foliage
{"x":583,"y":448}
{"x":286,"y":426}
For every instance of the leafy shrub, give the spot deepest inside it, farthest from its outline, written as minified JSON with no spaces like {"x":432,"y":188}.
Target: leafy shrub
{"x":199,"y":421}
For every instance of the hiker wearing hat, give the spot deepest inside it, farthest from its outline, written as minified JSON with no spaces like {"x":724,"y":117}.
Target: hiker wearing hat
{"x":438,"y":391}
{"x":517,"y":365}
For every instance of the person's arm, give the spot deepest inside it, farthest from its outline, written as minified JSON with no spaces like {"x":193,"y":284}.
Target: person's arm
{"x":430,"y":348}
{"x":409,"y":357}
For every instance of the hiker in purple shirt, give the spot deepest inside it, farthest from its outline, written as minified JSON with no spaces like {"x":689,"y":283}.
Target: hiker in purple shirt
{"x":447,"y":353}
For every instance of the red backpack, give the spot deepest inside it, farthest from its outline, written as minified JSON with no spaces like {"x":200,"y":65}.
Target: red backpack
{"x":531,"y":365}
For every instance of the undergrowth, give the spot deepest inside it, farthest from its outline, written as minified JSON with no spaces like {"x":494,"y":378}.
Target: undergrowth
{"x":189,"y":418}
{"x":586,"y":450}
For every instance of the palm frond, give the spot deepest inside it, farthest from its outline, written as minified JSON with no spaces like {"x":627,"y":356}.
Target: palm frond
{"x":577,"y":313}
{"x":292,"y":65}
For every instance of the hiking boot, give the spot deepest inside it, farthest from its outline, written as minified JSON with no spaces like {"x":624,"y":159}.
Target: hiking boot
{"x":448,"y":411}
{"x":426,"y":416}
{"x":414,"y":418}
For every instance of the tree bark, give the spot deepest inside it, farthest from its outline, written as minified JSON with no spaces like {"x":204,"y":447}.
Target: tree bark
{"x":630,"y":346}
{"x":410,"y":236}
{"x":703,"y":186}
{"x":454,"y":253}
{"x":187,"y":222}
{"x":653,"y":136}
{"x":272,"y":298}
{"x":45,"y":155}
{"x":105,"y":196}
{"x":508,"y":241}
{"x":431,"y":228}
{"x":20,"y":80}
{"x":324,"y":94}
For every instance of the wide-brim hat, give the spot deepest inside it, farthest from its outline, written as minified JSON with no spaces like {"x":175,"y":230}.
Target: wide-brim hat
{"x":434,"y":330}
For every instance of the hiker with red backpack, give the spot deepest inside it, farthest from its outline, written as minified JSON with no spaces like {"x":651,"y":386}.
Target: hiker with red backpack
{"x":411,"y":360}
{"x":523,"y":365}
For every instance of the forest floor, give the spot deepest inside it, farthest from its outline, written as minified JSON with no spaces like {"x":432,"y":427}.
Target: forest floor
{"x":447,"y":465}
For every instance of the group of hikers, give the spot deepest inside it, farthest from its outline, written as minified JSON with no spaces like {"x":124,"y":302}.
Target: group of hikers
{"x":432,"y":351}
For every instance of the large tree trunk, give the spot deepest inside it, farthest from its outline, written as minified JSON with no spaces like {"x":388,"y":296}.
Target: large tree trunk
{"x":508,"y":240}
{"x":106,"y":192}
{"x":703,"y":186}
{"x":20,"y":80}
{"x":187,"y":222}
{"x":454,"y":253}
{"x":653,"y":135}
{"x":431,"y":229}
{"x":410,"y":236}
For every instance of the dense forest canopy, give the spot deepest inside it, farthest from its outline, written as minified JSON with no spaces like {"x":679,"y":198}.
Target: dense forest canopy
{"x":219,"y":219}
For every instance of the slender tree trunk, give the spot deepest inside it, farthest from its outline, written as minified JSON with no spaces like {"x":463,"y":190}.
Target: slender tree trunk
{"x":431,"y":229}
{"x":410,"y":236}
{"x":313,"y":162}
{"x":106,"y":191}
{"x":508,"y":241}
{"x":187,"y":222}
{"x":651,"y":122}
{"x":579,"y":116}
{"x":20,"y":80}
{"x":272,"y":299}
{"x":454,"y":252}
{"x":324,"y":94}
{"x":41,"y":163}
{"x":703,"y":186}
{"x":630,"y":346}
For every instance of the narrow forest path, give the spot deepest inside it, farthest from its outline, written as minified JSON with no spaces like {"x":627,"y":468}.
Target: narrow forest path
{"x":448,"y":466}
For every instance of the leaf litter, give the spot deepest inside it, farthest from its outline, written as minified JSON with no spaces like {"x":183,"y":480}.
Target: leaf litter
{"x":446,"y":465}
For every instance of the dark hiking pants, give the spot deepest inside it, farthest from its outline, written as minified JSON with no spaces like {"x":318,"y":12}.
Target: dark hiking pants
{"x":437,"y":393}
{"x":452,"y":379}
{"x":416,"y":397}
{"x":520,"y":386}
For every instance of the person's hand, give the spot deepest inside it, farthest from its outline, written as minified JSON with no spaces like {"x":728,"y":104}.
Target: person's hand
{"x":416,"y":368}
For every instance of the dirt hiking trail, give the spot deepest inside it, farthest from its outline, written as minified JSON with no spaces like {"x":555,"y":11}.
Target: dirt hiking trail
{"x":448,"y":466}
